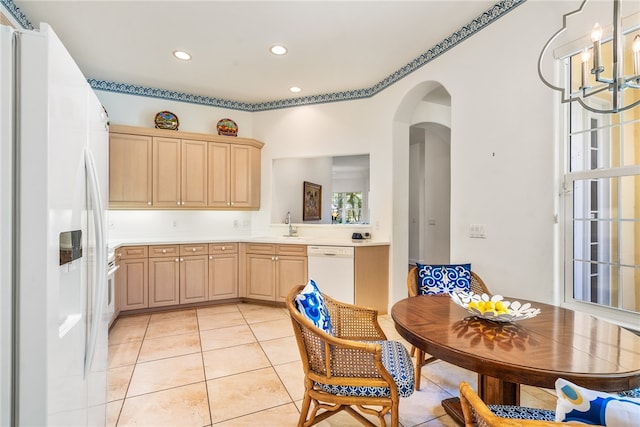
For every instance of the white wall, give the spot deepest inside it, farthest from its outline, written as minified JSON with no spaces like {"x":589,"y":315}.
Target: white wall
{"x":502,"y":149}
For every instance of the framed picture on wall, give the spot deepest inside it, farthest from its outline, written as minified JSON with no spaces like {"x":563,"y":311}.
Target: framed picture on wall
{"x":312,"y":201}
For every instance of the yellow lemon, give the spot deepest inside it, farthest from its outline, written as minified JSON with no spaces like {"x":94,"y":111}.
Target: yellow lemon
{"x":500,"y":308}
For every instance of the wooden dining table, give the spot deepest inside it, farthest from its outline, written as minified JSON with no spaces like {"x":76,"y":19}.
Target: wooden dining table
{"x":557,"y":343}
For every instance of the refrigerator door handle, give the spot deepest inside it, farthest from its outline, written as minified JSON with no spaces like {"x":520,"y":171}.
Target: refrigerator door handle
{"x":100,"y":261}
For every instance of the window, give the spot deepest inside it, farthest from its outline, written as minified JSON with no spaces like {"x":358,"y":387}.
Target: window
{"x":602,"y":186}
{"x":346,"y":208}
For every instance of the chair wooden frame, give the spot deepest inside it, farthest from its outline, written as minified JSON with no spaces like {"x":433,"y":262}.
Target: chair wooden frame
{"x":477,"y":286}
{"x":352,"y":362}
{"x":477,"y":413}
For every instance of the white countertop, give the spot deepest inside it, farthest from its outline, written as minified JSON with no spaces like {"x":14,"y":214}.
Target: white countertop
{"x":296,"y":240}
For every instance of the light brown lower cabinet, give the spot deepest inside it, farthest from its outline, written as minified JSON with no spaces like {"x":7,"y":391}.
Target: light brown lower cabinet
{"x":132,"y":278}
{"x":223,"y":271}
{"x":273,"y":269}
{"x":194,"y":279}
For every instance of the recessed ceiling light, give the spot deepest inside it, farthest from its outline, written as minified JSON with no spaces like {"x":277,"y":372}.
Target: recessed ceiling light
{"x":278,"y":49}
{"x":180,"y":54}
{"x":294,"y":89}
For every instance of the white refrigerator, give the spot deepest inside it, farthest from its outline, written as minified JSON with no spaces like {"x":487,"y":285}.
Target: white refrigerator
{"x":53,"y":246}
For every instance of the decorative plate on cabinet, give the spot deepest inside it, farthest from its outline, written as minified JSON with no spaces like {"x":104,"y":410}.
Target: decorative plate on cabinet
{"x":227,"y":127}
{"x":167,"y":120}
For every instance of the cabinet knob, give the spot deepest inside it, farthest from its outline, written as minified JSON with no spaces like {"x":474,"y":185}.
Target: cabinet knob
{"x":181,"y":259}
{"x":193,"y":249}
{"x":177,"y":260}
{"x":231,"y":203}
{"x":149,"y":203}
{"x":210,"y":256}
{"x":223,"y":248}
{"x":182,"y":203}
{"x":178,"y":203}
{"x":164,"y":251}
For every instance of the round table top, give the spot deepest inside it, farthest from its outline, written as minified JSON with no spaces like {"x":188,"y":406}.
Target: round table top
{"x":558,"y":343}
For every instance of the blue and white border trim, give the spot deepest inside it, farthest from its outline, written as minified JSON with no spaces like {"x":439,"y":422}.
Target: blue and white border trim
{"x":491,"y":15}
{"x":17,"y":14}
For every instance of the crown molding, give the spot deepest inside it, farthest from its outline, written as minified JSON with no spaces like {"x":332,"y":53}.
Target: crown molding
{"x":483,"y":20}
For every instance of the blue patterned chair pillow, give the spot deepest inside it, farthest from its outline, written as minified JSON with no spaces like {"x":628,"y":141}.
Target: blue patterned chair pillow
{"x":396,"y":360}
{"x":522,"y":412}
{"x":579,"y":404}
{"x":437,"y":279}
{"x":311,"y":304}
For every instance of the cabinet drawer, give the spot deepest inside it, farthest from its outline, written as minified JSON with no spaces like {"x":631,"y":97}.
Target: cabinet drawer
{"x":261,"y":248}
{"x":223,"y":248}
{"x":194,"y":249}
{"x":295,"y":250}
{"x":159,"y":251}
{"x":131,"y":252}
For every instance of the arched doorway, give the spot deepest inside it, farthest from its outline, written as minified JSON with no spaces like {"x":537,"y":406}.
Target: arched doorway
{"x":424,"y":110}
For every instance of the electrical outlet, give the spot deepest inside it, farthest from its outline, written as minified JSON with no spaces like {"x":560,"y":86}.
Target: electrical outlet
{"x":477,"y":231}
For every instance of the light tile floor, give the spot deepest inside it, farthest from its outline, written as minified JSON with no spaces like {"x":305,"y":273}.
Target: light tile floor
{"x":238,"y":365}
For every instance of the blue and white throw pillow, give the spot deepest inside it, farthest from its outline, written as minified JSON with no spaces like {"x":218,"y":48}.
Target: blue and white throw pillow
{"x":581,"y":405}
{"x":310,"y":304}
{"x":437,"y":279}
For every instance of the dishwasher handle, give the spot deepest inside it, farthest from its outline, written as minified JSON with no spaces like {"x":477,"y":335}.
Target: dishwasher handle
{"x":330,"y":251}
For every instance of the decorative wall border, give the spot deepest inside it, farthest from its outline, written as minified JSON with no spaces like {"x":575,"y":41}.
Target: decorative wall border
{"x":17,"y":14}
{"x":487,"y":17}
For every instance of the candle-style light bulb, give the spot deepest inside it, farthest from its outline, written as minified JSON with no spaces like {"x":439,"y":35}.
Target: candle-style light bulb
{"x":596,"y":33}
{"x":596,"y":36}
{"x":635,"y":48}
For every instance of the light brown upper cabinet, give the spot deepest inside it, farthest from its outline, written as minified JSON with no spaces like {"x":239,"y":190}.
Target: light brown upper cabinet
{"x":130,"y":166}
{"x":166,"y":169}
{"x":179,"y":173}
{"x":234,"y":176}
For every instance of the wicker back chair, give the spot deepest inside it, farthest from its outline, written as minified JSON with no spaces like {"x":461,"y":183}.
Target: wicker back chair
{"x":477,"y":286}
{"x":337,"y":367}
{"x":477,"y":413}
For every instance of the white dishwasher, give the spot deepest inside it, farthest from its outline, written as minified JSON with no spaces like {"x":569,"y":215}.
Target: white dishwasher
{"x":331,"y":267}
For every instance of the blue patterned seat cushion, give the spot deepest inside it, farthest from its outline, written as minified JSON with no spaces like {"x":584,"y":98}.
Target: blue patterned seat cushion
{"x":436,"y":279}
{"x":397,"y":361}
{"x":635,"y":393}
{"x":522,"y":412}
{"x":310,"y":304}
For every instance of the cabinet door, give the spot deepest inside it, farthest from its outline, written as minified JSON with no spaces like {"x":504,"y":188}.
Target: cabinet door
{"x":223,"y":276}
{"x":130,"y":166}
{"x":245,"y":176}
{"x":194,"y":173}
{"x":166,"y":172}
{"x":194,"y":277}
{"x":260,"y":276}
{"x":132,"y":283}
{"x":163,"y":281}
{"x":291,"y":271}
{"x":218,"y":175}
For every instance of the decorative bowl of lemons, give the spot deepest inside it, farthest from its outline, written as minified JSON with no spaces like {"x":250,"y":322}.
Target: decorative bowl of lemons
{"x":493,"y":307}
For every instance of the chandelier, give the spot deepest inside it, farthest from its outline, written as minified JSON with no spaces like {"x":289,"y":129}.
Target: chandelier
{"x":605,"y":72}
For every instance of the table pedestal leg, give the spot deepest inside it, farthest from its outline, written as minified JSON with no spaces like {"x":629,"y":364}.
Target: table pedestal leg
{"x":493,"y":391}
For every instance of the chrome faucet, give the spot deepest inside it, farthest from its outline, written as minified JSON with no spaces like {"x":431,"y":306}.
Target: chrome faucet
{"x":288,"y":221}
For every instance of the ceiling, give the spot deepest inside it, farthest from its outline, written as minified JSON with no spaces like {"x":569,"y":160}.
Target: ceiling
{"x":334,"y":46}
